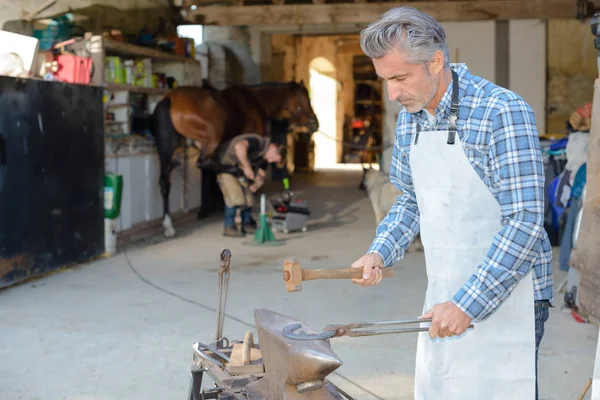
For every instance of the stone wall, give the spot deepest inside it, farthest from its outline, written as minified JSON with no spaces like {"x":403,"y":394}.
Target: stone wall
{"x":236,"y":44}
{"x":294,"y":54}
{"x":572,"y":69}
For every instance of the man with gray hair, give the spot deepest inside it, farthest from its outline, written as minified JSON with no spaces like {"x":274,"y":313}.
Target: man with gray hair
{"x":467,"y":158}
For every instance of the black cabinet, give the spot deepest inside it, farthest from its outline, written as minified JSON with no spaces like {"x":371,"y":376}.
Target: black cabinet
{"x":51,"y":176}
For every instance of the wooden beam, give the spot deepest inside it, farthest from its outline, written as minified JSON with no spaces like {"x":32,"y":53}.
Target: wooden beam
{"x":348,"y":47}
{"x":361,"y":13}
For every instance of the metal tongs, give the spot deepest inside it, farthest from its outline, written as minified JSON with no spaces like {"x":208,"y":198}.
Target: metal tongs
{"x":223,"y":283}
{"x":202,"y":349}
{"x":291,"y":331}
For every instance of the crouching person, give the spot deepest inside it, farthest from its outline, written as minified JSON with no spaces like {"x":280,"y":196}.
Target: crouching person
{"x":245,"y":160}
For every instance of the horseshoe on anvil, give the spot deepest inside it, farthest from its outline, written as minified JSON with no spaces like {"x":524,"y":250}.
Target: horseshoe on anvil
{"x":289,"y":333}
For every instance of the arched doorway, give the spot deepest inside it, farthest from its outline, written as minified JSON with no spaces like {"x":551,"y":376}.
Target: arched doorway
{"x":324,"y":97}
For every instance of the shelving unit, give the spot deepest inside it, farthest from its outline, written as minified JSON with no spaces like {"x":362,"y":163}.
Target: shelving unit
{"x":126,"y":49}
{"x":365,"y":128}
{"x":135,"y":84}
{"x":117,"y":87}
{"x":129,"y":148}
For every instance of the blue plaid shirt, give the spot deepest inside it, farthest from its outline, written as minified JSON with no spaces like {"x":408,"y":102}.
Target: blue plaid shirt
{"x":498,"y":132}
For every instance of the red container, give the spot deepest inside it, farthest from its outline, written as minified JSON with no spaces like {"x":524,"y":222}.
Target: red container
{"x":74,"y":69}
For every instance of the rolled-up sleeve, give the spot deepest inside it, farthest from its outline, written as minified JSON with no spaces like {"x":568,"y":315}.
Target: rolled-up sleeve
{"x":401,"y":224}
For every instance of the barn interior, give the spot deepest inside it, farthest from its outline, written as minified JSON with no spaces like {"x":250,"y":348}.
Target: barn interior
{"x":100,"y":300}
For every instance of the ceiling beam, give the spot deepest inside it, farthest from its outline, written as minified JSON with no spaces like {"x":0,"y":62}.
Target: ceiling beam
{"x":359,"y":13}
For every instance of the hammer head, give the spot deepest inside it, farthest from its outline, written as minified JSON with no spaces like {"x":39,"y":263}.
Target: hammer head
{"x":292,"y":275}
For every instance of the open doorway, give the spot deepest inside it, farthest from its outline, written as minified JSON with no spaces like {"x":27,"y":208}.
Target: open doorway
{"x":323,"y":98}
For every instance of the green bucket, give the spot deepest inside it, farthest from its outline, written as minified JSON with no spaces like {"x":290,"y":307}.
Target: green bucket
{"x":113,"y":190}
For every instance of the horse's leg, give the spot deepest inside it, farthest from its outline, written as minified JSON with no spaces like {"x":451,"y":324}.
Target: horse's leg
{"x":212,"y":198}
{"x":166,"y":166}
{"x":209,"y":192}
{"x":165,"y":138}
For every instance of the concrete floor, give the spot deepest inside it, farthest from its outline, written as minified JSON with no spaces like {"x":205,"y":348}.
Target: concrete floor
{"x":101,"y":331}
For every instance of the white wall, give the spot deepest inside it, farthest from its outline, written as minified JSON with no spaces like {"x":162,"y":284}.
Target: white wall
{"x":392,"y":108}
{"x":141,"y":199}
{"x":473,"y":43}
{"x":239,"y":41}
{"x":527,"y":65}
{"x":596,"y":376}
{"x":476,"y":43}
{"x":260,"y":47}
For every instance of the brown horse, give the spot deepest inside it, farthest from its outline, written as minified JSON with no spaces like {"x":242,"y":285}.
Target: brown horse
{"x":207,"y":118}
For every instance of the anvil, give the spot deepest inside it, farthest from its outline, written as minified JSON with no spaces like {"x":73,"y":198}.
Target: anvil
{"x":294,"y":370}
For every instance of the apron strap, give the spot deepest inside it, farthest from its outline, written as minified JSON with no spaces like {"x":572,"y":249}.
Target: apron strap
{"x":453,"y":109}
{"x":453,"y":113}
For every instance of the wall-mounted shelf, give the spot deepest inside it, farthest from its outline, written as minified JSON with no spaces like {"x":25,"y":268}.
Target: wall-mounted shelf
{"x":130,"y":89}
{"x":115,"y":47}
{"x":365,"y":127}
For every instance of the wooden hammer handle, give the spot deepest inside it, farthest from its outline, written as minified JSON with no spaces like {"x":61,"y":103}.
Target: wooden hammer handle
{"x":340,"y":273}
{"x":247,"y":347}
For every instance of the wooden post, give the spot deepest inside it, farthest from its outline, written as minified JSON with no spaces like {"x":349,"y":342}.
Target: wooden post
{"x":585,"y":258}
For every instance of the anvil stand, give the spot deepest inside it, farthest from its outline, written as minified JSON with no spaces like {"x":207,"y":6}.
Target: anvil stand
{"x":289,"y":369}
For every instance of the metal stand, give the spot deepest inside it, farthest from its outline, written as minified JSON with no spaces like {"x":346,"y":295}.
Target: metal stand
{"x":217,"y":360}
{"x":264,"y":235}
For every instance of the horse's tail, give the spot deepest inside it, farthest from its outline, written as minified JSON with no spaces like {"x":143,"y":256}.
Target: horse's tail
{"x":161,"y":118}
{"x":162,"y":129}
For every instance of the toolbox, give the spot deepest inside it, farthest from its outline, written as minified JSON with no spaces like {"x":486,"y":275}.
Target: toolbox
{"x":74,"y":69}
{"x":291,"y":214}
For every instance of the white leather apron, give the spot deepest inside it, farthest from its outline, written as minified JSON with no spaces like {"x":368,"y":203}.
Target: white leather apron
{"x":459,"y":218}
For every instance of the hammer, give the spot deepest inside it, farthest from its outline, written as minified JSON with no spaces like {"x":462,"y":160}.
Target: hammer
{"x":293,"y":275}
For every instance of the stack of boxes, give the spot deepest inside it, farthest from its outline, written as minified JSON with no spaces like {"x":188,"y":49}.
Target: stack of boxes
{"x":130,"y":72}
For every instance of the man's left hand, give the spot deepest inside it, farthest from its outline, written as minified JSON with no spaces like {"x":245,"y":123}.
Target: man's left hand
{"x":447,"y":320}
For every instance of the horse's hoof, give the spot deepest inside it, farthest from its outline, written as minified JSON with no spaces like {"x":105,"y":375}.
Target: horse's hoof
{"x":168,"y":225}
{"x":169,"y":233}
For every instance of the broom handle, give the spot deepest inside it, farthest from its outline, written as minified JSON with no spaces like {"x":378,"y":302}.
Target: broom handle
{"x":585,"y":389}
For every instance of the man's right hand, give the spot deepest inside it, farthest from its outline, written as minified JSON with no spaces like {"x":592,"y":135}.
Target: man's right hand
{"x":372,"y":265}
{"x":248,"y":172}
